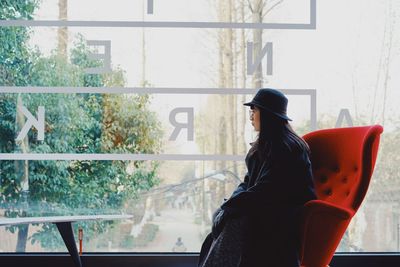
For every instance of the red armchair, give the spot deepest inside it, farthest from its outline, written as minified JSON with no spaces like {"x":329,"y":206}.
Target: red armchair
{"x":342,"y":160}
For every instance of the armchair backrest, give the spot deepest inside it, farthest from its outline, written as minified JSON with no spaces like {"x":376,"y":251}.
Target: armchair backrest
{"x":343,"y":160}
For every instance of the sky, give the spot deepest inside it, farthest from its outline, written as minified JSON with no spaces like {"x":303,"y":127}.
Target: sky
{"x":342,"y":59}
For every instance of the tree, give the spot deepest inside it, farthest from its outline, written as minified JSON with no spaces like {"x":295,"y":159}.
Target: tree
{"x":75,"y":123}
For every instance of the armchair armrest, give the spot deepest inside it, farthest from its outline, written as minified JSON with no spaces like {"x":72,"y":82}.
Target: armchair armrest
{"x":322,"y":217}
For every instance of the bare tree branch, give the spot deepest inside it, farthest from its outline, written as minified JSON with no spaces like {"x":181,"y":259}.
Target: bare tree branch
{"x":265,"y":3}
{"x":272,"y":7}
{"x":378,"y":78}
{"x":251,"y":8}
{"x":387,"y":61}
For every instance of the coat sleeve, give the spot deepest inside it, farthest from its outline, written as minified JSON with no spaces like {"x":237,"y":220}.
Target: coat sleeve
{"x":269,"y":188}
{"x":242,"y":186}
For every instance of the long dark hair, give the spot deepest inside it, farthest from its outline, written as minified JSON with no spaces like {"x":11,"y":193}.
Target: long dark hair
{"x":275,"y":135}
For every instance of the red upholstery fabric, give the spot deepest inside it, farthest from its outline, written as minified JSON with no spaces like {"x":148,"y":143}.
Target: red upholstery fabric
{"x":343,"y":160}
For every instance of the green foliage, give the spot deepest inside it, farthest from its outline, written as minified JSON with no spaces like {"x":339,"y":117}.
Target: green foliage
{"x":75,"y":123}
{"x":15,"y":60}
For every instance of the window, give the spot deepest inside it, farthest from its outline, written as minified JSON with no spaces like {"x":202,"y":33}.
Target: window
{"x":136,"y":108}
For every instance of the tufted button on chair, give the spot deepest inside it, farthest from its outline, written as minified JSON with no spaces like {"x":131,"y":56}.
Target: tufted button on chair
{"x":343,"y":160}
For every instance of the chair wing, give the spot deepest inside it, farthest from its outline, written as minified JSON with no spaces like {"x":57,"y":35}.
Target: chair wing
{"x":343,"y":160}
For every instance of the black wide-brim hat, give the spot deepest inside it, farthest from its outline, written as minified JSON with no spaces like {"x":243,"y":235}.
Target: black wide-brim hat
{"x":271,"y":100}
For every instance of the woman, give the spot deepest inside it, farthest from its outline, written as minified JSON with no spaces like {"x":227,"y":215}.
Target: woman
{"x":258,"y":225}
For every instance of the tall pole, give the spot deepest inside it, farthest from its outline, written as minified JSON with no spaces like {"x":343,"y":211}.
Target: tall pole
{"x":398,"y":235}
{"x":204,"y":189}
{"x":62,"y":32}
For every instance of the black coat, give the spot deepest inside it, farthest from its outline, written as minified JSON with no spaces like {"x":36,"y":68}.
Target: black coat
{"x":270,"y":200}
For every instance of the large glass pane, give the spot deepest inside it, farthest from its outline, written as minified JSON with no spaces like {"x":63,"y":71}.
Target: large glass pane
{"x":135,"y":107}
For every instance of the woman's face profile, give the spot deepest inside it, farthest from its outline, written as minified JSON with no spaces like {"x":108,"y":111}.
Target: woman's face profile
{"x":255,"y":117}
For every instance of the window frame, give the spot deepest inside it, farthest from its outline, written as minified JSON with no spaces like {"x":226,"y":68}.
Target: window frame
{"x":340,"y":259}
